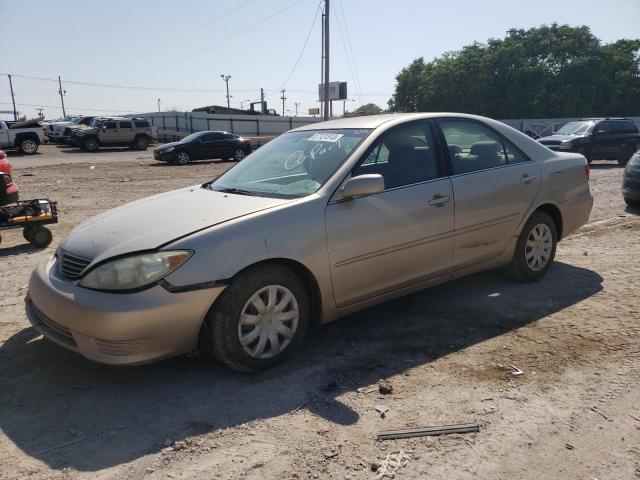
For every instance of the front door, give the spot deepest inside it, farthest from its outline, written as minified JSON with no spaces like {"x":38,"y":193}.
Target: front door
{"x":207,"y":146}
{"x":109,"y":133}
{"x":404,"y":235}
{"x":494,"y":184}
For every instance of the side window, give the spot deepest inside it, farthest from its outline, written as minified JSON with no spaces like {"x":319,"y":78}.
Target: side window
{"x":141,"y":123}
{"x":126,"y":125}
{"x":111,"y":125}
{"x":210,"y":137}
{"x":603,"y":127}
{"x":473,"y":147}
{"x":513,"y":155}
{"x":403,"y":156}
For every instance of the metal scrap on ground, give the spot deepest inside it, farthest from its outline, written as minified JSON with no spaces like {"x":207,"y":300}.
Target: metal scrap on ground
{"x":428,"y":431}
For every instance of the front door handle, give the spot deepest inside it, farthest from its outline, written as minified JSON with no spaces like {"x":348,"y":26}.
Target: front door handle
{"x":527,"y":178}
{"x":439,"y":199}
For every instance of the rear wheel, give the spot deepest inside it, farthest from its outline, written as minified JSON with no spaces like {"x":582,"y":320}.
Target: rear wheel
{"x":141,"y":142}
{"x":259,"y":319}
{"x":91,"y":144}
{"x":239,"y":154}
{"x":625,"y":154}
{"x":28,"y":146}
{"x":40,"y":236}
{"x":182,"y":158}
{"x":536,"y":248}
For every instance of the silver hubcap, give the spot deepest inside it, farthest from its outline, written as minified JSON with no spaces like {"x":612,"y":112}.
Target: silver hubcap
{"x":238,"y":155}
{"x":268,"y":322}
{"x":183,"y":158}
{"x":29,"y":146}
{"x":537,"y":250}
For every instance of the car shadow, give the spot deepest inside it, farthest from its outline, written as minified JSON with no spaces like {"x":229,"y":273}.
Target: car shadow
{"x":70,"y":149}
{"x":193,"y":163}
{"x":635,"y":210}
{"x":18,"y":153}
{"x":101,"y":416}
{"x":18,"y":250}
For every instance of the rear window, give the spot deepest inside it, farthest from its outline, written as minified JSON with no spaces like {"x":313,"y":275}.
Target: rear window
{"x":111,"y":125}
{"x":141,"y":123}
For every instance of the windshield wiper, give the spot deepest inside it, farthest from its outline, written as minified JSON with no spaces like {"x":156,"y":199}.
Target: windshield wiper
{"x":238,"y":191}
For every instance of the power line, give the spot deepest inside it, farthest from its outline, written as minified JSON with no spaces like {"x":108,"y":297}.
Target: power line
{"x":226,"y":39}
{"x":172,"y":42}
{"x":350,"y":45}
{"x":304,"y":46}
{"x":71,"y":108}
{"x":346,"y":52}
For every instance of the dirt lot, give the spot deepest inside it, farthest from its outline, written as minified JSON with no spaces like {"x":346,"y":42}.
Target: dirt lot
{"x":447,"y":353}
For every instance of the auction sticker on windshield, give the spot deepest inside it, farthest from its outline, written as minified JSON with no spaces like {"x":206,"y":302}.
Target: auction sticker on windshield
{"x":325,"y":137}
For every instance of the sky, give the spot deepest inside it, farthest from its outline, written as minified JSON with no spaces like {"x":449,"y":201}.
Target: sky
{"x":176,"y":51}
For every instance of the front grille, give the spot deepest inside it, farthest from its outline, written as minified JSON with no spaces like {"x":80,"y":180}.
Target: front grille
{"x":72,"y":266}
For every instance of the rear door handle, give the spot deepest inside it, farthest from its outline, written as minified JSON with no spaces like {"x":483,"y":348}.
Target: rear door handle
{"x":439,"y":199}
{"x":527,"y":178}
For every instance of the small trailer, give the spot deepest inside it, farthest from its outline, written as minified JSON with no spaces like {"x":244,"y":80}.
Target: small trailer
{"x":31,"y":216}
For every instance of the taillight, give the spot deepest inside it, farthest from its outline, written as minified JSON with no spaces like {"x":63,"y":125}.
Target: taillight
{"x":587,"y":170}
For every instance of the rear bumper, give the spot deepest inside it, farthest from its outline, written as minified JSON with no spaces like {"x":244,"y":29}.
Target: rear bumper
{"x":575,"y":213}
{"x":117,"y":329}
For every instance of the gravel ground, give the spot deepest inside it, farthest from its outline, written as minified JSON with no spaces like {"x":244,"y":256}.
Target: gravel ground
{"x":446,"y":352}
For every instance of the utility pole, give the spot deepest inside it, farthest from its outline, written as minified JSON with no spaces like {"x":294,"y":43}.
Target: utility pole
{"x":326,"y":60}
{"x":13,"y":100}
{"x":283,"y":99}
{"x":226,"y":79}
{"x":262,"y":101}
{"x":62,"y":94}
{"x":159,"y":106}
{"x":297,"y":104}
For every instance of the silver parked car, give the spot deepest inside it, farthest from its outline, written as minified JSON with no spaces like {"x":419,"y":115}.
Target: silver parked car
{"x":323,"y":221}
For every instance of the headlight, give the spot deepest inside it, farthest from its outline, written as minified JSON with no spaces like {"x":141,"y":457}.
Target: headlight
{"x":169,"y":149}
{"x":134,"y":272}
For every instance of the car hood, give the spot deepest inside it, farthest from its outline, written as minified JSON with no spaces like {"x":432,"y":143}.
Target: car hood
{"x":171,"y":144}
{"x":155,"y":221}
{"x":559,"y":138}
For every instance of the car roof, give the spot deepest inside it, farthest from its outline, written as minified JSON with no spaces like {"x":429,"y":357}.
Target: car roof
{"x":374,"y":121}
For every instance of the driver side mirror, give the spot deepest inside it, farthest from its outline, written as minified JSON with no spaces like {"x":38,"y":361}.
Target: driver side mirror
{"x":362,"y":186}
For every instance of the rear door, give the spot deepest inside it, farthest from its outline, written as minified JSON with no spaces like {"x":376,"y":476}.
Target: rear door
{"x":494,"y":184}
{"x":402,"y":236}
{"x":126,"y":132}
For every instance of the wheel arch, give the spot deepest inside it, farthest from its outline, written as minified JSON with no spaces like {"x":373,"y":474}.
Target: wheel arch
{"x":27,"y":136}
{"x":556,"y":215}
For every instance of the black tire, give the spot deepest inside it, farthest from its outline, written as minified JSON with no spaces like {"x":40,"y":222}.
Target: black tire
{"x":91,"y":144}
{"x":238,"y":155}
{"x":632,"y":203}
{"x":519,"y":269}
{"x":40,"y":236}
{"x":625,"y":155}
{"x":223,"y":318}
{"x":27,"y":232}
{"x":29,"y":145}
{"x":141,"y":142}
{"x":182,"y":158}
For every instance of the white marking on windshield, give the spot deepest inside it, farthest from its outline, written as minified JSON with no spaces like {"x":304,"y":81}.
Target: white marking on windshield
{"x":325,"y":137}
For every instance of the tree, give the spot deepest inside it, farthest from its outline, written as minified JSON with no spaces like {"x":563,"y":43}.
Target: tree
{"x":549,"y":71}
{"x":368,"y":109}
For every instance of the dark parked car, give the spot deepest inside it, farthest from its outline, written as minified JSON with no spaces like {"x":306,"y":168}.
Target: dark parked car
{"x":597,"y":139}
{"x":203,"y":146}
{"x":631,"y":182}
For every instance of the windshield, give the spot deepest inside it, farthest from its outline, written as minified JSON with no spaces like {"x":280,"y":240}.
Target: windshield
{"x":576,"y":128}
{"x":76,"y":121}
{"x":293,"y":165}
{"x":191,"y":137}
{"x":96,"y":123}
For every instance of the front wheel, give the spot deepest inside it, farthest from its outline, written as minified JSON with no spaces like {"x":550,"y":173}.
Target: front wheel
{"x":29,"y":146}
{"x":91,"y":144}
{"x":259,"y":319}
{"x":182,"y":158}
{"x":535,"y":250}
